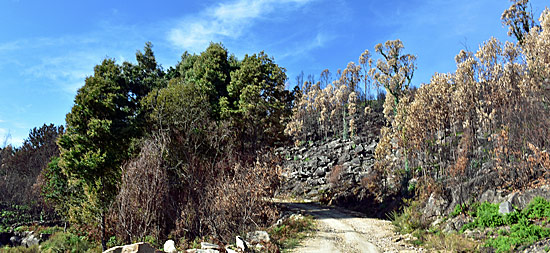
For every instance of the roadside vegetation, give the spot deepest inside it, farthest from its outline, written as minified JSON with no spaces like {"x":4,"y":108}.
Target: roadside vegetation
{"x":186,"y":152}
{"x":489,"y":229}
{"x":292,"y":231}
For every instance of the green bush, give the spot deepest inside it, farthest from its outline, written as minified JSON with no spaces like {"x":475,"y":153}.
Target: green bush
{"x":458,"y":210}
{"x":21,"y":249}
{"x":113,"y":241}
{"x":486,"y":215}
{"x":522,"y":233}
{"x":409,"y":220}
{"x":11,"y":214}
{"x":68,"y":242}
{"x":538,"y":208}
{"x":522,"y":230}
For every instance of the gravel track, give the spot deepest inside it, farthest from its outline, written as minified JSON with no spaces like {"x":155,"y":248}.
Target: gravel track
{"x":340,"y":230}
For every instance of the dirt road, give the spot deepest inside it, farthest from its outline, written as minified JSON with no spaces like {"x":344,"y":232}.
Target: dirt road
{"x":340,"y":230}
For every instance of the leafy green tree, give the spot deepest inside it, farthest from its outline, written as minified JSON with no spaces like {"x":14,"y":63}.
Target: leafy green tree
{"x":143,"y":77}
{"x":258,"y":101}
{"x":185,"y":65}
{"x":100,"y":127}
{"x":211,"y":73}
{"x":182,"y":110}
{"x":146,"y":75}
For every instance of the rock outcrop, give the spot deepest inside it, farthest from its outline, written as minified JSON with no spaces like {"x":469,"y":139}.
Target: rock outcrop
{"x":313,"y":169}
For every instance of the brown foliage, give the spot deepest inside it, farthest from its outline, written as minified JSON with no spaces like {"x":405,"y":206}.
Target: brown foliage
{"x":334,"y":178}
{"x":233,"y":198}
{"x":518,"y":19}
{"x":337,"y":108}
{"x":492,"y":110}
{"x":21,"y":168}
{"x":195,"y":198}
{"x":142,"y":199}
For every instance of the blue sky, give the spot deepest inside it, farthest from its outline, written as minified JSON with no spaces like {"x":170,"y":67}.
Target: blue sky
{"x":47,"y":48}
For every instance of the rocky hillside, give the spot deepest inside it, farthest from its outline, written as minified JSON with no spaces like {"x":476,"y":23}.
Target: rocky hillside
{"x":329,"y":170}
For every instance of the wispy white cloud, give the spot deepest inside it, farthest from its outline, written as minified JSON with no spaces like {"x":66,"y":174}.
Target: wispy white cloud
{"x":67,"y":71}
{"x":227,"y":20}
{"x":303,"y":48}
{"x":42,"y":74}
{"x":64,"y":62}
{"x":10,"y":46}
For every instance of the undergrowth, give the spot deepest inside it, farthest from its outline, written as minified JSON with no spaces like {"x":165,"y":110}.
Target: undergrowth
{"x":525,"y":225}
{"x":69,"y":242}
{"x":410,"y":221}
{"x":66,"y":242}
{"x":510,"y":232}
{"x":293,"y":230}
{"x":12,"y":214}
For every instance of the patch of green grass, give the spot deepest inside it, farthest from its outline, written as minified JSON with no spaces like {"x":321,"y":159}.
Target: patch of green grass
{"x":68,"y":242}
{"x":449,"y":242}
{"x":523,"y":231}
{"x":293,"y":230}
{"x":486,"y":215}
{"x":538,"y":208}
{"x":21,"y":249}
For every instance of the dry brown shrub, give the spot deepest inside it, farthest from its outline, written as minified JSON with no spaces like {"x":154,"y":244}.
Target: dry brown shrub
{"x":373,"y":182}
{"x":489,"y":111}
{"x":460,"y":167}
{"x":142,"y":200}
{"x":235,"y":198}
{"x":334,"y":178}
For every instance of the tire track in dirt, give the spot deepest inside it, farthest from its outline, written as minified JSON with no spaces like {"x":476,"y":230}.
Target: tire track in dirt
{"x":340,"y":230}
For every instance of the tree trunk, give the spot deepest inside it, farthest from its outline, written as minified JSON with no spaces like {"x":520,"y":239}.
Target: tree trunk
{"x":103,"y":241}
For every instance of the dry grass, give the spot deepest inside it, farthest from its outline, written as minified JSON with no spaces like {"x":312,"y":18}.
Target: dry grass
{"x":450,"y":243}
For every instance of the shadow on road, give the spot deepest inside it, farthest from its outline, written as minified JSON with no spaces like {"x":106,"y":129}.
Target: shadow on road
{"x":321,"y":211}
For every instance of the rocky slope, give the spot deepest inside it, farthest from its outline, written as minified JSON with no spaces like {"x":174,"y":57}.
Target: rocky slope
{"x":314,"y":170}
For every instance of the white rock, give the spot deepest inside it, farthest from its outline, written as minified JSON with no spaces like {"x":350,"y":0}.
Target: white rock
{"x":30,"y":241}
{"x":259,"y":247}
{"x":229,"y":249}
{"x":139,"y":247}
{"x":206,"y":245}
{"x":241,"y":243}
{"x":296,"y":217}
{"x":170,"y":246}
{"x":505,"y":207}
{"x":257,"y":237}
